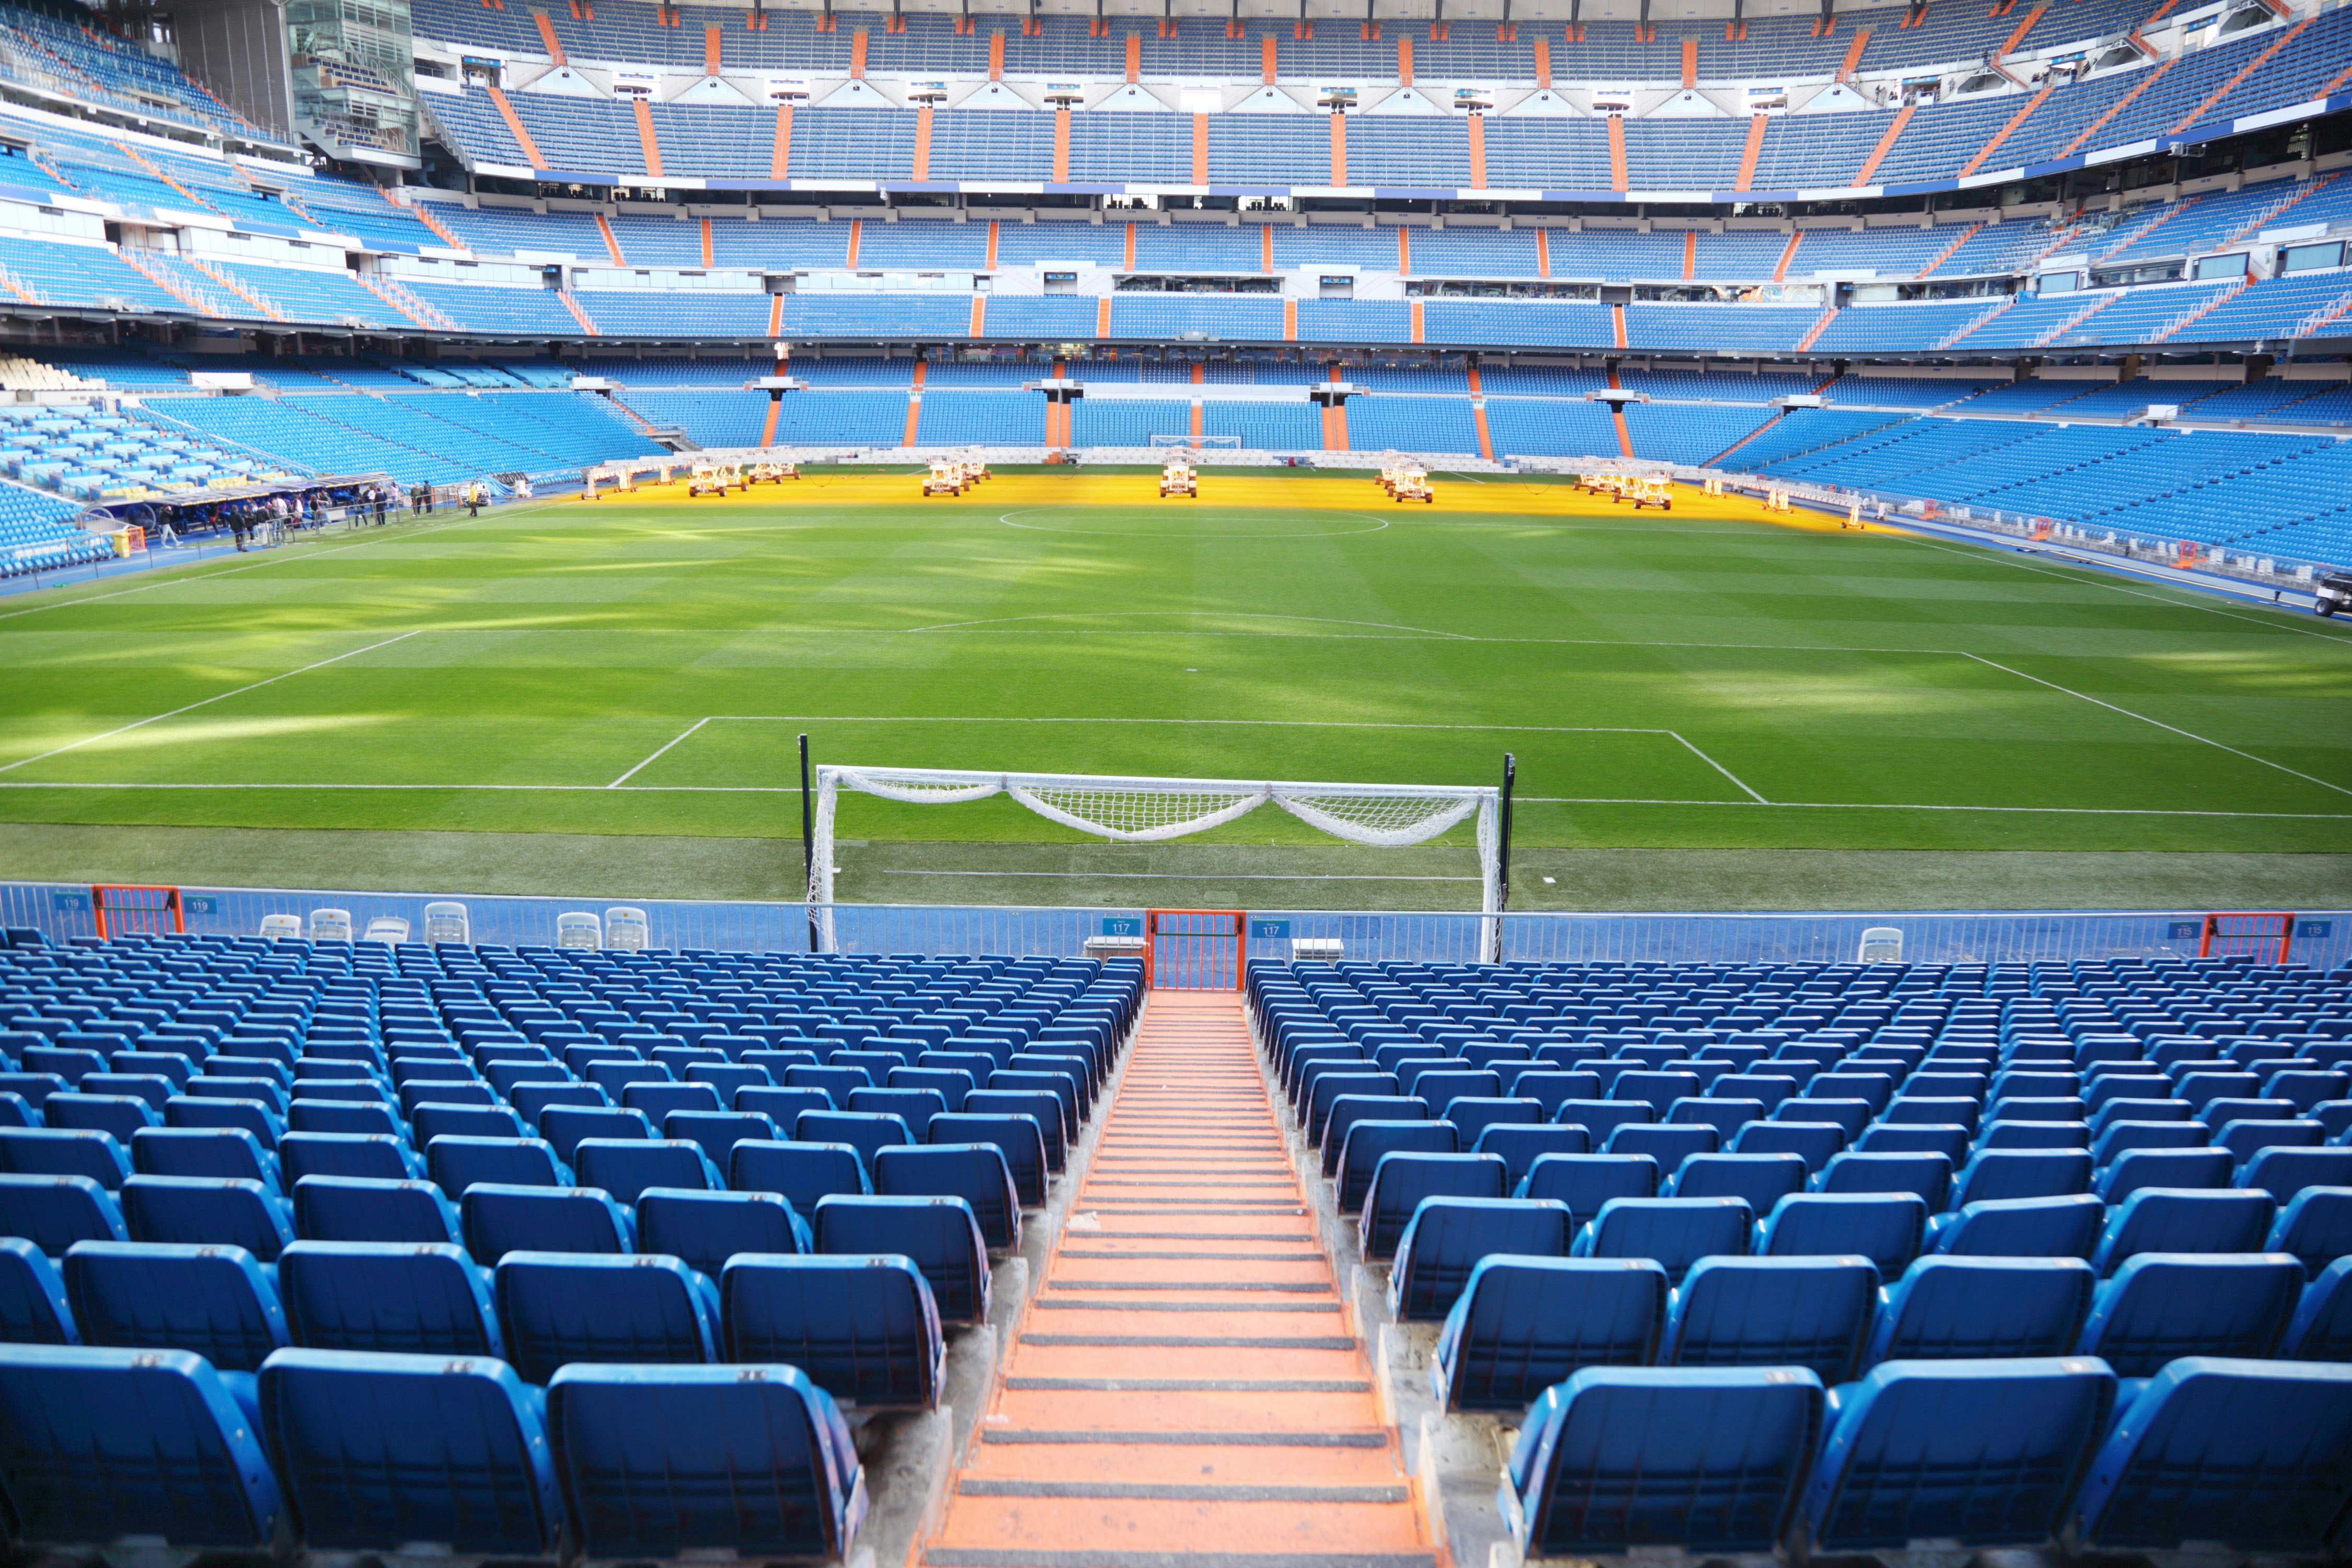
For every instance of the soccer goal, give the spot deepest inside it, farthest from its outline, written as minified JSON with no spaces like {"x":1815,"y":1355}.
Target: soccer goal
{"x":1153,"y":810}
{"x":1206,"y":443}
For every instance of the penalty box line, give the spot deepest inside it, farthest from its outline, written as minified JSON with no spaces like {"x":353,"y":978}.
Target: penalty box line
{"x":1678,"y":737}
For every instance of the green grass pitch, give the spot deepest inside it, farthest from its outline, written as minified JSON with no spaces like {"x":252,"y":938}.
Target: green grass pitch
{"x":641,"y":666}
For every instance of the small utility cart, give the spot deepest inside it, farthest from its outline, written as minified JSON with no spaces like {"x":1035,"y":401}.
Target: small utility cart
{"x":1180,"y":478}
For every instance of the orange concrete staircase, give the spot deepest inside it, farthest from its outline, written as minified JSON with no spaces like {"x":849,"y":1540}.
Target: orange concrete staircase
{"x":1185,"y":1387}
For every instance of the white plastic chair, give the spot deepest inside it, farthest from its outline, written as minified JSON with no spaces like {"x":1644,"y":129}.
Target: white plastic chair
{"x":330,"y":925}
{"x":579,"y":929}
{"x":1881,"y":944}
{"x":625,"y":930}
{"x":282,"y":928}
{"x":389,"y":929}
{"x":446,"y":922}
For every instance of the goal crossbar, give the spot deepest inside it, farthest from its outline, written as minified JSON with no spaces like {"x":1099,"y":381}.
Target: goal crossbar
{"x":1145,"y":810}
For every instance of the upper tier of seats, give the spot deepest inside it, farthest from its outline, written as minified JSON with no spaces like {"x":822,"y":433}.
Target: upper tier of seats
{"x":1203,"y":49}
{"x":62,"y":50}
{"x":1926,"y":147}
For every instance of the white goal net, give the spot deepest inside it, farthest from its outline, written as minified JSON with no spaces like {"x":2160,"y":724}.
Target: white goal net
{"x":1206,"y":443}
{"x":1151,"y":810}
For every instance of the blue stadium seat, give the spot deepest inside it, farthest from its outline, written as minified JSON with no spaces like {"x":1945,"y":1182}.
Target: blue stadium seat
{"x":100,"y":1445}
{"x":1521,"y":1148}
{"x":1985,"y":1453}
{"x":1759,"y":1180}
{"x":457,"y":1162}
{"x":2256,"y":1456}
{"x":1585,"y":1182}
{"x":1811,"y":1312}
{"x":1400,"y":1182}
{"x":1017,"y":1138}
{"x":374,"y":1447}
{"x":864,"y":1329}
{"x":564,"y":1126}
{"x":214,"y":1301}
{"x":62,"y":1151}
{"x":1522,"y":1324}
{"x":1929,"y":1175}
{"x":557,"y":1308}
{"x":207,"y":1211}
{"x":1668,"y":1145}
{"x":1815,"y":1143}
{"x":718,"y":1131}
{"x":976,"y":1173}
{"x":1973,"y":1309}
{"x":2322,"y":1329}
{"x":666,"y":1463}
{"x":864,"y":1131}
{"x":401,"y":1298}
{"x":1705,"y":1460}
{"x":2315,"y":1228}
{"x":2139,"y":1168}
{"x":228,"y":1151}
{"x":2023,"y":1228}
{"x":1675,"y":1232}
{"x":2284,"y":1171}
{"x":498,"y":1220}
{"x":33,"y":1306}
{"x":625,"y":1167}
{"x":1361,"y":1150}
{"x":706,"y":1229}
{"x":2159,"y":1306}
{"x":2171,"y":1219}
{"x":1446,"y":1238}
{"x":355,"y":1208}
{"x":802,"y":1173}
{"x":55,"y":1212}
{"x":1889,"y":1229}
{"x":1999,"y":1176}
{"x":941,"y":1235}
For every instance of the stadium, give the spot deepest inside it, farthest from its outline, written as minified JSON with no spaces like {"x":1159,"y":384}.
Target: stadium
{"x":1175,"y":784}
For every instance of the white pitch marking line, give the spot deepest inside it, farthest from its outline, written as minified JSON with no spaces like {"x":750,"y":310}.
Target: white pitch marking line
{"x":206,"y":702}
{"x":2175,"y":729}
{"x":641,"y":767}
{"x":1718,"y":767}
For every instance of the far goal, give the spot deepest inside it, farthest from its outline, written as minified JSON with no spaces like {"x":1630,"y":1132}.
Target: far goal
{"x":1206,"y":443}
{"x":1152,"y":810}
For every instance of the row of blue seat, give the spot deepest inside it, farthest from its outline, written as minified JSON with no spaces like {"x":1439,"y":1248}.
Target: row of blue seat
{"x":1974,"y":1454}
{"x":863,"y":1325}
{"x":349,"y":1451}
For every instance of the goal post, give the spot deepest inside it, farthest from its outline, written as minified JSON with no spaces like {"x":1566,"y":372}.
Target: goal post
{"x":1205,"y":443}
{"x":1131,"y":810}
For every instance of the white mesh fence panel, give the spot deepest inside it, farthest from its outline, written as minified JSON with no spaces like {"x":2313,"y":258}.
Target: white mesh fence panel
{"x":1151,"y":810}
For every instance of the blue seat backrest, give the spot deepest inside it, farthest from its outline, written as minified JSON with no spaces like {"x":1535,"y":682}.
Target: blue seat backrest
{"x":556,"y":1308}
{"x":1811,"y":1312}
{"x":2256,"y":1454}
{"x":179,"y":1460}
{"x":212,"y":1211}
{"x":1676,"y":1232}
{"x":433,"y":1121}
{"x":1762,"y":1180}
{"x":1705,"y":1458}
{"x":404,"y":1298}
{"x":355,"y":1208}
{"x":939,"y":1233}
{"x":64,"y":1152}
{"x":564,"y":1126}
{"x":2171,"y":1219}
{"x":2025,"y":1227}
{"x":1986,"y":1453}
{"x":373,"y":1157}
{"x":1999,"y":1173}
{"x":866,"y":1329}
{"x":668,"y":1462}
{"x":1036,"y":1104}
{"x":975,"y":1172}
{"x":627,"y":1166}
{"x":2137,"y":1168}
{"x":1960,"y":1309}
{"x":1520,"y":1147}
{"x":334,"y":1116}
{"x":1815,"y":1143}
{"x":1585,"y":1182}
{"x":212,"y":1300}
{"x":498,"y":1220}
{"x":230,"y":1151}
{"x":2162,"y":1305}
{"x":55,"y":1212}
{"x":456,"y":1163}
{"x":1400,"y":1182}
{"x":1017,"y":1138}
{"x":707,"y":1229}
{"x":1522,"y":1324}
{"x":376,"y":1447}
{"x":1929,"y":1175}
{"x":717,"y":1132}
{"x":1366,"y":1142}
{"x":33,"y":1306}
{"x":1446,"y":1237}
{"x":865,"y":1130}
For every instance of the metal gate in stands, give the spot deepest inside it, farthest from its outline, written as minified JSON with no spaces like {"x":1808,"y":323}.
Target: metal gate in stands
{"x":1193,"y":950}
